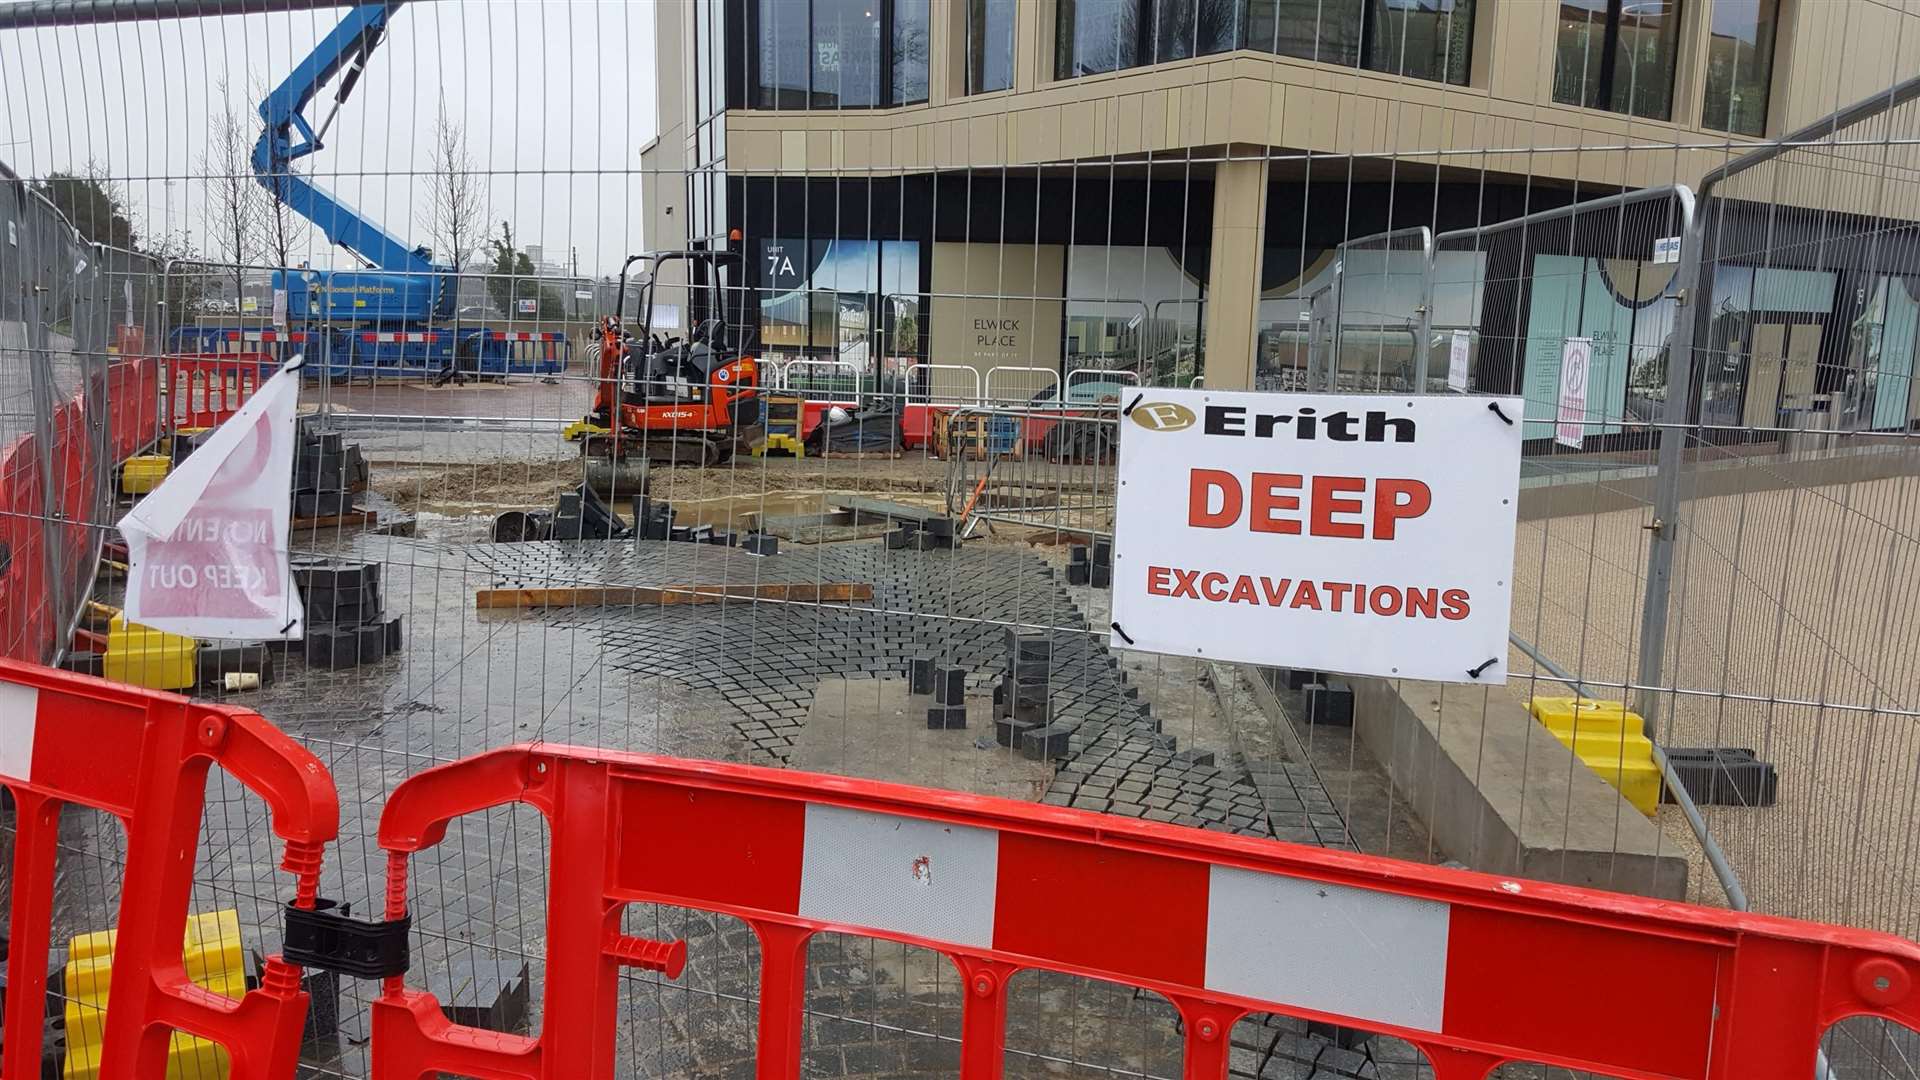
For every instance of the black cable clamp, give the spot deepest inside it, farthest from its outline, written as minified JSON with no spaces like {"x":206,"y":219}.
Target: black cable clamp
{"x":1475,"y":672}
{"x":1494,"y":408}
{"x":1124,"y":636}
{"x":329,"y":940}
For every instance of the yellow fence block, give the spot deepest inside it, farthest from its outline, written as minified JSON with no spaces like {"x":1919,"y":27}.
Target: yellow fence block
{"x":1609,"y":739}
{"x":214,"y":957}
{"x":139,"y":475}
{"x":142,"y":656}
{"x":1637,"y":781}
{"x":1565,"y":714}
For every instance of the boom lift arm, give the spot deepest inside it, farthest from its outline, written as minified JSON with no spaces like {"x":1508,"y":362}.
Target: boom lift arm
{"x":422,"y":292}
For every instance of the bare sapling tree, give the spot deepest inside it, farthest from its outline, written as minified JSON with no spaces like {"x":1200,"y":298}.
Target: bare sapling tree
{"x":233,"y":208}
{"x":457,"y":196}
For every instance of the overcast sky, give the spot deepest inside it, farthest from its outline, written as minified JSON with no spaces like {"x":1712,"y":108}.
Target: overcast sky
{"x":556,"y":97}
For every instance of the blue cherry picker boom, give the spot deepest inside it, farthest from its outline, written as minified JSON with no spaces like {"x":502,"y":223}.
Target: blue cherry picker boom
{"x":397,"y":315}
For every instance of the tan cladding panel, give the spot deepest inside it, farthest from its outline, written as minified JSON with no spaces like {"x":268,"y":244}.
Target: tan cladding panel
{"x":1829,"y":54}
{"x":976,"y":324}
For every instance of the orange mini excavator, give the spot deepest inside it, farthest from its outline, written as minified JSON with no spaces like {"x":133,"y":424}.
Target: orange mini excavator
{"x":668,"y":400}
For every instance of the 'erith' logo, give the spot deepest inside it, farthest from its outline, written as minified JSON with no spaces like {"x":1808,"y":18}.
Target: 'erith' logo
{"x":1163,"y":416}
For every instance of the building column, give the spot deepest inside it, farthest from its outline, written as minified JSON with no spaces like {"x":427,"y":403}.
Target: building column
{"x":1233,"y":275}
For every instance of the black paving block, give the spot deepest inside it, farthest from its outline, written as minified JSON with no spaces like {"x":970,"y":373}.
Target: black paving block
{"x":332,"y":649}
{"x":1330,"y":703}
{"x":920,"y":675}
{"x":1298,"y":678}
{"x":1044,"y":743}
{"x":761,"y":544}
{"x":1007,"y":731}
{"x":1030,"y":646}
{"x":950,"y":685}
{"x":946,"y":717}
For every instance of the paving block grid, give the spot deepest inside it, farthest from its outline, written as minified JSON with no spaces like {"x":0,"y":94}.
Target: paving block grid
{"x":730,"y":682}
{"x":956,"y":606}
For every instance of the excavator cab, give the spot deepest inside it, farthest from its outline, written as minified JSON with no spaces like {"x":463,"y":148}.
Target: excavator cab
{"x":677,"y":391}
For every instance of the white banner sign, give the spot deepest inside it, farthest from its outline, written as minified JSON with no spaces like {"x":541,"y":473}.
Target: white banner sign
{"x":1457,"y":359}
{"x":1333,"y":532}
{"x":209,"y":546}
{"x":1576,"y":366}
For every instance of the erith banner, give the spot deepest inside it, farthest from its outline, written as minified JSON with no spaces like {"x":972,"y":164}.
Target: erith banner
{"x":1363,"y":534}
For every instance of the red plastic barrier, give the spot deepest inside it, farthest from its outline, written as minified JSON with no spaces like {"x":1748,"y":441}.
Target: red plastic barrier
{"x":1471,"y":969}
{"x":26,"y":615}
{"x":133,"y":404}
{"x":206,"y":388}
{"x":917,"y":423}
{"x":143,"y":756}
{"x":28,"y":519}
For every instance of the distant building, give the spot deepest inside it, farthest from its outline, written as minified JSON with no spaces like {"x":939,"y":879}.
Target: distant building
{"x":1165,"y":182}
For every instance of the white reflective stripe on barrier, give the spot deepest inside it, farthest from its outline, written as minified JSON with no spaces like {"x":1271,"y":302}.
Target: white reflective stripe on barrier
{"x":1357,"y":952}
{"x":19,"y":714}
{"x":900,"y":875}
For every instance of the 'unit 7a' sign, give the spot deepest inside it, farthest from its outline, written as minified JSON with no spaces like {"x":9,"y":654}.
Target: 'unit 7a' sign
{"x":1364,"y":534}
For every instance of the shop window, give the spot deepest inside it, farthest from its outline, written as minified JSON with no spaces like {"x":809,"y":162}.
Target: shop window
{"x":856,"y":301}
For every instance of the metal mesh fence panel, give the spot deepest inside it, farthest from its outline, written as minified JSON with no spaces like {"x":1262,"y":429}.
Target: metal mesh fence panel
{"x":722,"y":379}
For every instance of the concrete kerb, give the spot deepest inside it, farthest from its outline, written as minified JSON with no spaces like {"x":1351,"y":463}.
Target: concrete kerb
{"x":1580,"y":493}
{"x":1502,"y":795}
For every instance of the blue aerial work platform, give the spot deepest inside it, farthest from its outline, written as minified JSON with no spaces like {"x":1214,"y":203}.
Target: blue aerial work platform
{"x":397,"y":316}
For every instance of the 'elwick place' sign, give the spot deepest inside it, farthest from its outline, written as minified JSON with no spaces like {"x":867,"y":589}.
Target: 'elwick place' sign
{"x":1364,"y":534}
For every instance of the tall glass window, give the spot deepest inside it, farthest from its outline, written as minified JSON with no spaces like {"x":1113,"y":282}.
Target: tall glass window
{"x":1740,"y":66}
{"x":1421,"y":39}
{"x":910,"y":19}
{"x":1220,"y":23}
{"x":782,"y":69}
{"x":1324,"y":30}
{"x":1101,"y":35}
{"x":839,"y":54}
{"x":1172,"y":30}
{"x":1617,"y":55}
{"x":846,"y":54}
{"x":990,"y":45}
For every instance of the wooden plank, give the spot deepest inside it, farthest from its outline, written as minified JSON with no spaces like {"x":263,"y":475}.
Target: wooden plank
{"x":885,"y":508}
{"x":352,"y":518}
{"x":832,"y":592}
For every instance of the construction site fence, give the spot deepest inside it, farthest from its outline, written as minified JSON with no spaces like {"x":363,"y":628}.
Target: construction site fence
{"x":1223,"y":928}
{"x":79,"y":392}
{"x":1051,"y":468}
{"x":1718,"y":538}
